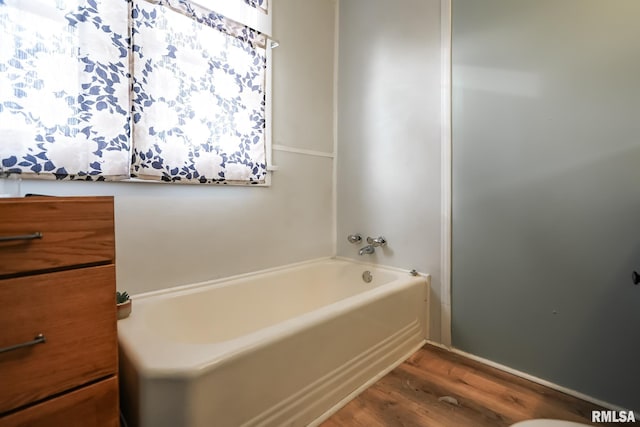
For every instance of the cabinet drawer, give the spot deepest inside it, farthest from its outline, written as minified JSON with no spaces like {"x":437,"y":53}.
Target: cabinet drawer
{"x":92,"y":406}
{"x":75,"y":310}
{"x":71,"y":230}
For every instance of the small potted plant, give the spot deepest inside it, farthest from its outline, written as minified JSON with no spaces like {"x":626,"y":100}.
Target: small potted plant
{"x":123,"y":303}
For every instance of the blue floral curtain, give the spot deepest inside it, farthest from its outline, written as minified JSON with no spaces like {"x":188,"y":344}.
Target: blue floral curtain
{"x":198,"y":95}
{"x":196,"y":112}
{"x":64,"y":88}
{"x":258,"y":4}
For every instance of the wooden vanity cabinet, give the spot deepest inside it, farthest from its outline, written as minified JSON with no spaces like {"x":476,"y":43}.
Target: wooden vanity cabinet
{"x":58,"y":339}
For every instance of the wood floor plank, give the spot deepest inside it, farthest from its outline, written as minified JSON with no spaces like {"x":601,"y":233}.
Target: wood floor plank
{"x":438,"y":388}
{"x":472,"y":387}
{"x":442,"y":400}
{"x":505,"y":392}
{"x":437,"y":413}
{"x":358,"y":413}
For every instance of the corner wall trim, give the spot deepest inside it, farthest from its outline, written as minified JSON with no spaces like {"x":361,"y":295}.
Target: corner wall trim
{"x":446,"y":177}
{"x":334,"y":171}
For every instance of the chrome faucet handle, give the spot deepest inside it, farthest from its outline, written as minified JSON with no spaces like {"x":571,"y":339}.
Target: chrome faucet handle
{"x":378,"y":241}
{"x":354,"y":238}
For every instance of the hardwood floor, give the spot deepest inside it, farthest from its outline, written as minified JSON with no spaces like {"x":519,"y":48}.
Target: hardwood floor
{"x":437,"y":388}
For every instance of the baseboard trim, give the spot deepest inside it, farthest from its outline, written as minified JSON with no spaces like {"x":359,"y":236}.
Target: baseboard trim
{"x":532,"y":378}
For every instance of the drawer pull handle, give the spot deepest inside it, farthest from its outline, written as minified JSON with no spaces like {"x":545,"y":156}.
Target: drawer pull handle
{"x":33,"y":236}
{"x":39,"y":339}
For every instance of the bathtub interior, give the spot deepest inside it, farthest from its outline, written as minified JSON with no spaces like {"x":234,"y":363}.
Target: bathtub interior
{"x":238,"y":307}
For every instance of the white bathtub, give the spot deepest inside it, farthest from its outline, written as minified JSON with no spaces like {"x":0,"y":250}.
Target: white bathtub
{"x":276,"y":348}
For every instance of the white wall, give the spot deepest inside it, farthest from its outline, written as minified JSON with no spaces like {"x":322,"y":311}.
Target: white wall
{"x":303,"y":115}
{"x":168,"y":235}
{"x":389,"y":134}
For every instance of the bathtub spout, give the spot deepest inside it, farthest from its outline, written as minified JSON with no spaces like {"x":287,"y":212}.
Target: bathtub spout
{"x":369,"y":249}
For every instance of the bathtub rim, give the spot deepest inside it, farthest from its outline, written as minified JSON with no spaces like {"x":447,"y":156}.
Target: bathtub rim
{"x":218,"y":355}
{"x":221,"y":280}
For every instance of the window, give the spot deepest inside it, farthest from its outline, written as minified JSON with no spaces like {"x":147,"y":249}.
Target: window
{"x":197,"y":94}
